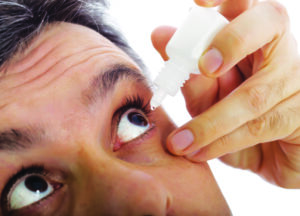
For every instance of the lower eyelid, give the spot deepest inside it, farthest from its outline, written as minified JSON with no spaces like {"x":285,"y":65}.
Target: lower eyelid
{"x":138,"y":140}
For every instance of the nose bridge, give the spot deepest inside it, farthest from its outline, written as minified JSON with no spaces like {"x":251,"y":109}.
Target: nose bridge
{"x":95,"y":163}
{"x":113,"y":187}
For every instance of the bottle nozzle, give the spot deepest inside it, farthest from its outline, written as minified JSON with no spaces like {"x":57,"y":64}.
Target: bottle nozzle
{"x":157,"y":98}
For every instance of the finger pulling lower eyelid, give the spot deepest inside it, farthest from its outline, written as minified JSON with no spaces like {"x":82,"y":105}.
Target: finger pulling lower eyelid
{"x":182,"y":140}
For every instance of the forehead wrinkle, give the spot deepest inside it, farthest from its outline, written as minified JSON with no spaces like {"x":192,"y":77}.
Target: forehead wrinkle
{"x":50,"y":51}
{"x":104,"y":82}
{"x":46,"y":77}
{"x":37,"y":49}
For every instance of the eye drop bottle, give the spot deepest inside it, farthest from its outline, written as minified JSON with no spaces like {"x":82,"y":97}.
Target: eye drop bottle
{"x":184,"y":50}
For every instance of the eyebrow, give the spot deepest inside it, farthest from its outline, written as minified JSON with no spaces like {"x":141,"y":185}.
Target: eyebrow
{"x":100,"y":85}
{"x":106,"y":81}
{"x":15,"y":139}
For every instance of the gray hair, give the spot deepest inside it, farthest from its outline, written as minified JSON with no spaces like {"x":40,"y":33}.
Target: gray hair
{"x":22,"y":20}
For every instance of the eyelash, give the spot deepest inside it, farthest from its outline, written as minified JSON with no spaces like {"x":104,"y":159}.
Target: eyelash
{"x":34,"y":169}
{"x":135,"y":102}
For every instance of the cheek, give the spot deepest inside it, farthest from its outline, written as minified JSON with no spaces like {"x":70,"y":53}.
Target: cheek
{"x":138,"y":190}
{"x":144,"y":151}
{"x":192,"y":187}
{"x":121,"y":189}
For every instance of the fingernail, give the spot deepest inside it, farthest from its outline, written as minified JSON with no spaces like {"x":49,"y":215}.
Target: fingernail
{"x":211,"y":61}
{"x":182,"y":140}
{"x":211,"y":3}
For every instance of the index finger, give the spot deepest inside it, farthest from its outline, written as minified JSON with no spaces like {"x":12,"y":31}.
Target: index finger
{"x":229,"y":8}
{"x":208,"y":3}
{"x":233,"y":8}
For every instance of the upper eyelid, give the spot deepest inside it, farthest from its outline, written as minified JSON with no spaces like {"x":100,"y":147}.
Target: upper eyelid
{"x":137,"y":102}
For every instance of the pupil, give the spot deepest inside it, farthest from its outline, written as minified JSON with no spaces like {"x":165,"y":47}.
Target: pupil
{"x":137,"y":119}
{"x":36,"y":183}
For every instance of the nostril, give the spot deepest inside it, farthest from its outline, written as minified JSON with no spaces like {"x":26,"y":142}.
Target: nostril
{"x":168,"y":203}
{"x":169,"y":211}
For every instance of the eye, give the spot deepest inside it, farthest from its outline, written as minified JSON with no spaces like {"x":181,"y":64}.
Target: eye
{"x":133,"y":123}
{"x":29,"y":190}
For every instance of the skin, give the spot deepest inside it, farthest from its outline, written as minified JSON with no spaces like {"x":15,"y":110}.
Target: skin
{"x":44,"y":90}
{"x":246,"y":112}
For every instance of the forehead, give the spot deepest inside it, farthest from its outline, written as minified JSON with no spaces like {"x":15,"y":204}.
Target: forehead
{"x":63,"y":56}
{"x":54,"y":51}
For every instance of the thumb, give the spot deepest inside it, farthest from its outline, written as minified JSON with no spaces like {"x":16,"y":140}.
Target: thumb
{"x":160,"y":38}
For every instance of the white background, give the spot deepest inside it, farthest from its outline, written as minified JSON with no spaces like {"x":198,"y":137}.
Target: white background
{"x":246,"y":193}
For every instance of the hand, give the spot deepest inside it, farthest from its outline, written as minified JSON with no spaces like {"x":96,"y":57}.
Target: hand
{"x":248,"y":112}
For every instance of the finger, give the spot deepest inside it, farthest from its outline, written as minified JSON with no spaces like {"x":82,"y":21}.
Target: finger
{"x":228,"y":82}
{"x":246,"y":68}
{"x":249,"y":158}
{"x":229,"y":8}
{"x":160,"y":38}
{"x":233,"y":8}
{"x":243,"y":36}
{"x":208,"y":3}
{"x":200,"y":93}
{"x":277,"y":124}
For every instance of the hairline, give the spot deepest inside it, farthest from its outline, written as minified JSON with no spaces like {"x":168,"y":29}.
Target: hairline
{"x":92,"y":14}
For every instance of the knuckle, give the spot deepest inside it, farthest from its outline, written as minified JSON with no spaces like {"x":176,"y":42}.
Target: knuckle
{"x":205,"y":127}
{"x":234,"y":38}
{"x":223,"y":142}
{"x":257,"y":126}
{"x":257,"y":97}
{"x":211,"y":125}
{"x":265,"y":95}
{"x":280,"y":10}
{"x":275,"y":123}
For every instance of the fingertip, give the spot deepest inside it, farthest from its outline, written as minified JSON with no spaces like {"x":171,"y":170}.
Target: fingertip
{"x":160,"y":38}
{"x":211,"y":62}
{"x":179,"y":141}
{"x":169,"y":145}
{"x":208,"y":3}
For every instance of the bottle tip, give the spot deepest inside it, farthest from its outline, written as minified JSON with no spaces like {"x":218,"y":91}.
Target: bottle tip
{"x":157,"y":98}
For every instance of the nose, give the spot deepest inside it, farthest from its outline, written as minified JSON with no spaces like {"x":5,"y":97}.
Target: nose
{"x":112,"y":187}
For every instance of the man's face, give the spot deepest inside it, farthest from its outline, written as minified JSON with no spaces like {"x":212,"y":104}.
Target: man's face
{"x":78,"y":137}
